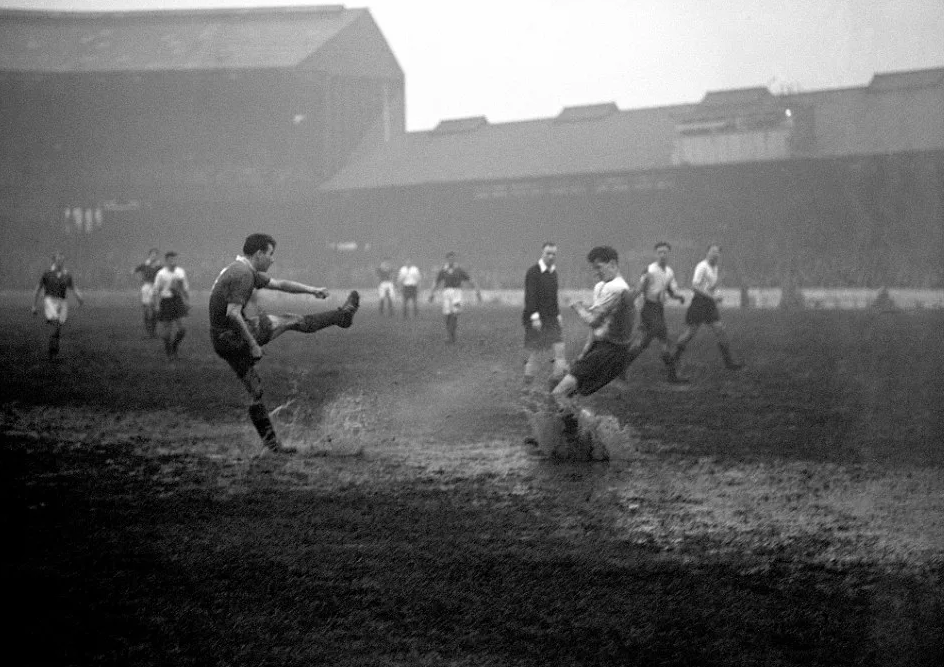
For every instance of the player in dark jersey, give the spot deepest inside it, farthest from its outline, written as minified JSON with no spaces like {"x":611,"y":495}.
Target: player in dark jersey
{"x":54,"y":285}
{"x":238,"y":338}
{"x":147,"y":271}
{"x":450,"y":278}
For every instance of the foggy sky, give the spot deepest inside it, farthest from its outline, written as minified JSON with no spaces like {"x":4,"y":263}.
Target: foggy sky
{"x":521,"y":59}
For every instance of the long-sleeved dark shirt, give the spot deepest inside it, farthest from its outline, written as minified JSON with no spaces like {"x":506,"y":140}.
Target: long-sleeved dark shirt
{"x":540,"y":294}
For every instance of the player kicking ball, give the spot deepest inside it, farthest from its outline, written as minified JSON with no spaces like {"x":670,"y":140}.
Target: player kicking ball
{"x":239,"y":338}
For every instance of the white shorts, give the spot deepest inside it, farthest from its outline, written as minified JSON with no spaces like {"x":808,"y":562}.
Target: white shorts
{"x":147,"y":293}
{"x":385,"y":289}
{"x":451,"y":300}
{"x":55,"y":309}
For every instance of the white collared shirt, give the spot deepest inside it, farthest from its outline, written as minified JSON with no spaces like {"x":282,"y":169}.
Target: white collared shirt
{"x":705,"y":278}
{"x":659,"y":280}
{"x":409,"y":275}
{"x":164,"y":281}
{"x":545,"y":268}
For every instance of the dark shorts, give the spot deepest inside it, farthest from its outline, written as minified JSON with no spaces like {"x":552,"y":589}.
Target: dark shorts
{"x":543,"y":338}
{"x":702,"y":310}
{"x":602,"y":363}
{"x":409,"y":292}
{"x":172,"y":309}
{"x":233,"y":348}
{"x":652,"y":320}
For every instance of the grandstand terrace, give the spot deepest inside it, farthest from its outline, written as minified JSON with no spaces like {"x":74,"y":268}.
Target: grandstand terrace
{"x":183,"y":129}
{"x":825,"y":188}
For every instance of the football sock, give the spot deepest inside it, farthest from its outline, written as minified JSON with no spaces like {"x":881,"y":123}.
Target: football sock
{"x":318,"y":321}
{"x":260,"y":420}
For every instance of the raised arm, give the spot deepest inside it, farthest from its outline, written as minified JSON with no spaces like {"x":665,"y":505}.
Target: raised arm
{"x":292,"y":287}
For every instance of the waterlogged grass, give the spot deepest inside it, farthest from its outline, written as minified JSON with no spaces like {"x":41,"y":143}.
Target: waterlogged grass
{"x":788,"y":514}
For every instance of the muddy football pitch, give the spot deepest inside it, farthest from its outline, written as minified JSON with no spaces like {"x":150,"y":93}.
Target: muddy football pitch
{"x":791,"y":513}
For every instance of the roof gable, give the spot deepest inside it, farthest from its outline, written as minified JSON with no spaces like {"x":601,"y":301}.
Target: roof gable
{"x":65,"y":42}
{"x":454,"y":125}
{"x":586,"y":112}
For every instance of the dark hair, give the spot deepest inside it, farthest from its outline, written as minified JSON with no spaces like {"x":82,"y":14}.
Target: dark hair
{"x":450,"y":254}
{"x":548,"y":243}
{"x":713,"y":245}
{"x":256,"y":242}
{"x":662,"y":244}
{"x":602,"y":253}
{"x":152,"y":250}
{"x":170,"y":253}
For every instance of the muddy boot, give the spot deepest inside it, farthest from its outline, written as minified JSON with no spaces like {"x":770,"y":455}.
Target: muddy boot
{"x":342,"y":317}
{"x":263,"y":424}
{"x":346,"y":312}
{"x":729,"y":361}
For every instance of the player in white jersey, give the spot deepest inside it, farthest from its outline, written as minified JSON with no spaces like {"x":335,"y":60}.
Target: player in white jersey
{"x":704,"y":308}
{"x":610,"y":318}
{"x":409,"y":281}
{"x":172,"y":302}
{"x":657,"y":284}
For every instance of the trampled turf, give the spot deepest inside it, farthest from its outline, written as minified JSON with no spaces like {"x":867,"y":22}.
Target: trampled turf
{"x":786,"y":514}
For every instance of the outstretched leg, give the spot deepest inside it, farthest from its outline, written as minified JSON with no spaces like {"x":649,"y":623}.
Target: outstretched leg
{"x":563,"y":396}
{"x":342,"y":317}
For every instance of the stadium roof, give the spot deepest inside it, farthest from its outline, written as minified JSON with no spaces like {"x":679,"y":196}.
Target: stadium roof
{"x":898,"y":111}
{"x":181,"y":40}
